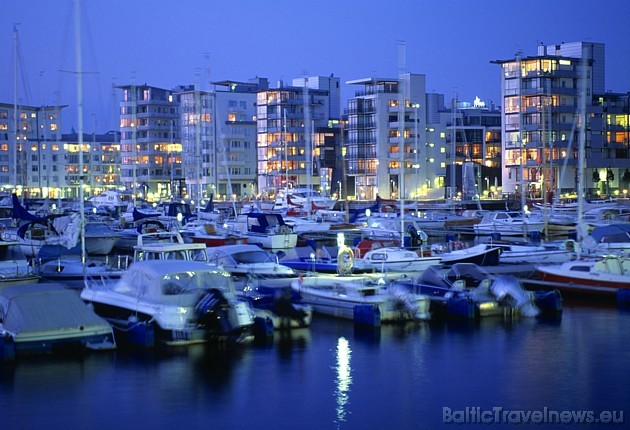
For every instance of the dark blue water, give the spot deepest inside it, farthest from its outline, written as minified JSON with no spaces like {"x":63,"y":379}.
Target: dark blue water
{"x":334,"y":376}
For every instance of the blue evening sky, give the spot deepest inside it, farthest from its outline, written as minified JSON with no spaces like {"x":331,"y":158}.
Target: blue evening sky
{"x":167,"y":43}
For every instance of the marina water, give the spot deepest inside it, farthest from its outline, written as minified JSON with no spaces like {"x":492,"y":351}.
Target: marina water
{"x":338,"y":376}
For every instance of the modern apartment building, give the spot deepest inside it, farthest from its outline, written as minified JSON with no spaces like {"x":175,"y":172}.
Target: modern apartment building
{"x":150,"y":142}
{"x":372,"y":148}
{"x":30,"y":150}
{"x":295,"y":125}
{"x":609,"y":151}
{"x":219,"y":139}
{"x":101,"y":163}
{"x":540,"y":120}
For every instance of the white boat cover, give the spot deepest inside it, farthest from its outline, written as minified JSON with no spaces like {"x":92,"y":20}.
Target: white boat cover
{"x":157,"y":281}
{"x":46,"y":308}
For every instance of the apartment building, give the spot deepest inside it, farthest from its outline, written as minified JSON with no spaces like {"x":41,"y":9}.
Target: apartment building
{"x":297,"y":127}
{"x":373,"y":146}
{"x":30,"y":149}
{"x":541,"y":129}
{"x":150,"y":145}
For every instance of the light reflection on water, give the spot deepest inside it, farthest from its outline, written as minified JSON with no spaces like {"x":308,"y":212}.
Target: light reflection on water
{"x":334,"y":375}
{"x":344,"y":378}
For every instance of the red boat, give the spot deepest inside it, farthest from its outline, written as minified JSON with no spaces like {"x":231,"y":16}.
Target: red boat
{"x":602,"y":276}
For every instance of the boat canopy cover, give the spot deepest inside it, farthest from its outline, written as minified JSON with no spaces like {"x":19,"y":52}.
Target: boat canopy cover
{"x":179,"y":282}
{"x":613,"y":233}
{"x":438,"y":276}
{"x":44,"y":307}
{"x":137,"y":215}
{"x":260,"y":221}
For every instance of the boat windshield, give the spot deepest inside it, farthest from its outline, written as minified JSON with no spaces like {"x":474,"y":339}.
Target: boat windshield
{"x":250,"y":257}
{"x":191,"y":282}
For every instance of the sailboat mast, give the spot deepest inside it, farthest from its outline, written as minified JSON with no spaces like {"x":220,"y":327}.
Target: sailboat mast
{"x":581,"y":229}
{"x":520,"y":133}
{"x":77,"y":10}
{"x":286,"y":153}
{"x":401,"y":138}
{"x":308,"y":147}
{"x":15,"y":98}
{"x":198,"y":145}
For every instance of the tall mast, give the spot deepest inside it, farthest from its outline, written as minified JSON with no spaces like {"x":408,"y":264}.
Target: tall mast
{"x":581,"y":229}
{"x":307,"y":143}
{"x":520,"y":133}
{"x":77,"y":10}
{"x":134,"y":140}
{"x":453,"y":178}
{"x":15,"y":103}
{"x":286,"y":152}
{"x":197,"y":96}
{"x":401,"y":138}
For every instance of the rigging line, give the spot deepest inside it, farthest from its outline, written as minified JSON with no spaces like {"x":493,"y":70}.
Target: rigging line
{"x":22,"y":69}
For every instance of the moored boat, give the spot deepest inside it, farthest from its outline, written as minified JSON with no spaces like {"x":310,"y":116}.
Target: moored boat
{"x":49,"y":318}
{"x":603,"y":276}
{"x":179,"y":303}
{"x":391,"y":259}
{"x":508,"y":223}
{"x":339,"y":297}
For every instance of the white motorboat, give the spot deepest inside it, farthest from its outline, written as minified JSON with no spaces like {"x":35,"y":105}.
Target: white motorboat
{"x":47,"y":318}
{"x":300,"y":197}
{"x":508,"y":223}
{"x":246,"y":260}
{"x":482,"y":254}
{"x":391,"y":259}
{"x":70,"y":271}
{"x":181,"y":302}
{"x":266,"y":229}
{"x":548,"y":253}
{"x":167,"y":245}
{"x":339,"y":296}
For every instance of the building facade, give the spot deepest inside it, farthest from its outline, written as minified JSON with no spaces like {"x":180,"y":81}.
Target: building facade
{"x":150,"y":142}
{"x":294,"y":124}
{"x":373,"y":146}
{"x":540,"y":119}
{"x":29,"y":146}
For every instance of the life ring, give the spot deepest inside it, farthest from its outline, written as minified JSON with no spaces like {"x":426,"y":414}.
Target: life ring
{"x":345,"y":261}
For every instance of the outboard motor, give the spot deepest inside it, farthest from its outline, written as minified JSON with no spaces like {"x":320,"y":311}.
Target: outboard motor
{"x":212,"y":312}
{"x":508,"y":288}
{"x":284,"y":307}
{"x":404,"y":301}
